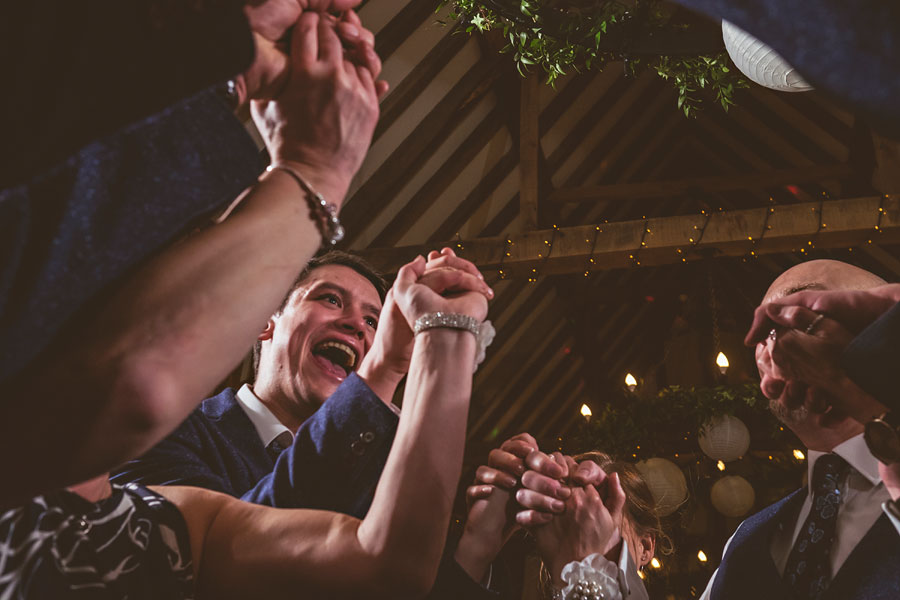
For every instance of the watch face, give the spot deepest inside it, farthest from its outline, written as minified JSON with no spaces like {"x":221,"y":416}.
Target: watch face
{"x":883,"y":441}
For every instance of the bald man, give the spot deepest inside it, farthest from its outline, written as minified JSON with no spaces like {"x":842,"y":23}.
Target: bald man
{"x":830,"y":540}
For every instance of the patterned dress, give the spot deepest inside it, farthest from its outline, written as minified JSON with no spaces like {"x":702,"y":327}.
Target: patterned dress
{"x":133,"y":545}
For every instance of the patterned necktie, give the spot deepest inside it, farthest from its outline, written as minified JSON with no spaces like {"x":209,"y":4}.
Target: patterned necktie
{"x":808,"y":569}
{"x":278,"y":445}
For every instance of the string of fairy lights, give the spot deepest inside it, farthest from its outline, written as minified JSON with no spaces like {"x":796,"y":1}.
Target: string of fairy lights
{"x":694,"y":240}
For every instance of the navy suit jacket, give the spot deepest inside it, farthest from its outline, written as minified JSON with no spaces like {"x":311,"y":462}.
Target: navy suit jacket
{"x":748,"y":572}
{"x":334,"y":463}
{"x":871,"y":358}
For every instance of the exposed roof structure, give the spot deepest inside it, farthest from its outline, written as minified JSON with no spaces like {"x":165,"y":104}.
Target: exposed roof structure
{"x":580,"y":203}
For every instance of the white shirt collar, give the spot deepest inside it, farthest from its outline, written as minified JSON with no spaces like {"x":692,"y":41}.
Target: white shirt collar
{"x":267,"y":425}
{"x":856,"y":453}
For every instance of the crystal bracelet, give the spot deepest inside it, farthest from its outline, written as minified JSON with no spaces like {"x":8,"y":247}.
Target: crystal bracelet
{"x":484,"y":332}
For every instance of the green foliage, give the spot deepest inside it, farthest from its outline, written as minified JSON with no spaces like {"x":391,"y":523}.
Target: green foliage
{"x":670,"y":421}
{"x":538,"y":34}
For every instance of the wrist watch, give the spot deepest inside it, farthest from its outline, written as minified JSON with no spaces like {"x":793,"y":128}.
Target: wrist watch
{"x":882,"y":435}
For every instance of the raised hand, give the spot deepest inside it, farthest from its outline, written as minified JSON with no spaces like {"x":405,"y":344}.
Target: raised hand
{"x":322,"y":121}
{"x":450,"y":293}
{"x":387,"y":362}
{"x":852,"y":309}
{"x":588,"y":526}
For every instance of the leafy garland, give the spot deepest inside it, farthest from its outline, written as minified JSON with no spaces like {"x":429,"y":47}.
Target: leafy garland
{"x":633,"y":427}
{"x":540,"y":34}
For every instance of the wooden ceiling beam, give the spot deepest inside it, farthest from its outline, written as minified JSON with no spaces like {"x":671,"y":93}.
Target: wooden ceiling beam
{"x":723,"y":183}
{"x":847,"y":223}
{"x":529,"y":149}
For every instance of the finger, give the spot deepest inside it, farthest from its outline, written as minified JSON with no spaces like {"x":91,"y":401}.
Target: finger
{"x":519,"y":445}
{"x":591,"y":494}
{"x":478,"y":492}
{"x":507,"y":462}
{"x":330,"y":50}
{"x":615,"y":497}
{"x":381,"y":88}
{"x":571,"y":465}
{"x":589,"y":473}
{"x":533,"y":500}
{"x":793,"y":317}
{"x":532,"y":518}
{"x":519,"y":437}
{"x":561,"y":461}
{"x":451,"y":260}
{"x":332,"y":5}
{"x":451,"y":281}
{"x":540,"y":462}
{"x":760,"y":327}
{"x":548,"y":486}
{"x":348,"y":33}
{"x":491,"y":476}
{"x":305,"y":41}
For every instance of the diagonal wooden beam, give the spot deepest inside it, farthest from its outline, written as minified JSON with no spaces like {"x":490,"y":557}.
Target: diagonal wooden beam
{"x":724,"y":183}
{"x":669,"y":241}
{"x":529,"y":148}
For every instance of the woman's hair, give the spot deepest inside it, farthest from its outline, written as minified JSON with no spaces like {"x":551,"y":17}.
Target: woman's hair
{"x":640,"y":507}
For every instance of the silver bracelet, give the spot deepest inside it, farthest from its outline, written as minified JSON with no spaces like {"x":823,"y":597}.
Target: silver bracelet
{"x":484,"y":332}
{"x":325,"y":214}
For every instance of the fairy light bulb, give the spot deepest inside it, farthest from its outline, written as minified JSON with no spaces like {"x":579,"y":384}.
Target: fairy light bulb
{"x":654,"y":562}
{"x":630,"y":382}
{"x":720,"y":465}
{"x":722,"y":362}
{"x":701,"y":556}
{"x":586,"y":411}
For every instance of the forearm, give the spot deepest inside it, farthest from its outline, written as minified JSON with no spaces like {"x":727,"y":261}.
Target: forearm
{"x":483,"y":537}
{"x":408,"y":519}
{"x":138,"y":366}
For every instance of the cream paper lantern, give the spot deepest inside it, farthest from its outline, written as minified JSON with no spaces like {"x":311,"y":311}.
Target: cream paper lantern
{"x":724,"y":438}
{"x":759,"y":62}
{"x":666,"y":483}
{"x":733,"y":496}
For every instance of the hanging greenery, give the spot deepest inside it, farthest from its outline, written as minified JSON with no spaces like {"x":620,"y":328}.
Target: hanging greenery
{"x":559,"y":36}
{"x":633,"y":427}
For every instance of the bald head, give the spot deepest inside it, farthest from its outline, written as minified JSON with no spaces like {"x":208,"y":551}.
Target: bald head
{"x":821,"y":275}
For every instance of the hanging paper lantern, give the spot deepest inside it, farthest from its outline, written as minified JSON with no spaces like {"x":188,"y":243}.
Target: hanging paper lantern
{"x":666,"y":483}
{"x":724,"y":438}
{"x":760,"y":63}
{"x":733,"y":496}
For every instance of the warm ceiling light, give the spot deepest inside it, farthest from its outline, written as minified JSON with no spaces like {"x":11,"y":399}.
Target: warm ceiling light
{"x":654,"y":562}
{"x":722,"y":362}
{"x":586,"y":411}
{"x":720,"y":465}
{"x":798,"y":454}
{"x":701,"y":556}
{"x":630,"y":382}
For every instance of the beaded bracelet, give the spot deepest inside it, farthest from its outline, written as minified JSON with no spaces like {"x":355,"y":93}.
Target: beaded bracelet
{"x":322,"y":212}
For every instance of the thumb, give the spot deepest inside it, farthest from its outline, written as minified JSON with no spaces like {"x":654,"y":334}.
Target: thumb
{"x":615,"y":498}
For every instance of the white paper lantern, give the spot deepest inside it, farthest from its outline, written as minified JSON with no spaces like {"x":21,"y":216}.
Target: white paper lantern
{"x":733,"y":496}
{"x":724,"y":438}
{"x":666,"y":483}
{"x":759,"y":62}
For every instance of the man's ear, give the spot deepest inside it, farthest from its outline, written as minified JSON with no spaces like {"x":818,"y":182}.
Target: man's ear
{"x":268,"y":332}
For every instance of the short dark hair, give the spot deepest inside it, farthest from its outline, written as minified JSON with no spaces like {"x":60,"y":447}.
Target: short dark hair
{"x":332,"y":257}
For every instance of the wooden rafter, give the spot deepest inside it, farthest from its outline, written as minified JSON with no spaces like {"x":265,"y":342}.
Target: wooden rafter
{"x":845,"y":223}
{"x":529,"y":149}
{"x":724,"y":183}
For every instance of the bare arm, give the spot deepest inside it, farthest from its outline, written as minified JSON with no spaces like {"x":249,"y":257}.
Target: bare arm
{"x":396,"y":549}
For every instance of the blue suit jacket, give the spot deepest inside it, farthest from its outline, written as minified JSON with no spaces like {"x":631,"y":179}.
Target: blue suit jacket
{"x":334,"y":463}
{"x":748,"y":572}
